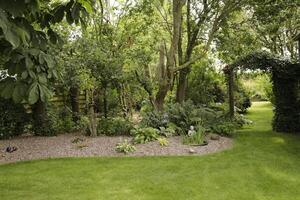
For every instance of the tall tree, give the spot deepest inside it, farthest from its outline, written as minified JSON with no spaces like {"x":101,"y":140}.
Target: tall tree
{"x":203,"y":20}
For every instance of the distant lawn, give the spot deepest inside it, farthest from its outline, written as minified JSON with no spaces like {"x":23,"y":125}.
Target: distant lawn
{"x":262,"y":165}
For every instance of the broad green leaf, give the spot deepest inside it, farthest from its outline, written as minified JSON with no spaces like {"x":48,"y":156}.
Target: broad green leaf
{"x":41,"y":58}
{"x":49,"y":60}
{"x":32,"y":74}
{"x":59,"y":14}
{"x":28,"y":62}
{"x":33,"y":95}
{"x":3,"y":21}
{"x":76,"y":11}
{"x":12,"y":37}
{"x":42,"y":78}
{"x":44,"y":92}
{"x":8,"y":88}
{"x":24,"y":75}
{"x":87,"y":5}
{"x":19,"y":92}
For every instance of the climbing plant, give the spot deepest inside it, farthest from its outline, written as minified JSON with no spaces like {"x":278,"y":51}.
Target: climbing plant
{"x":285,"y":75}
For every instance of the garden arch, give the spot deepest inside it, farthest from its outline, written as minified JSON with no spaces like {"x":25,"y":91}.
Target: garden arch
{"x":285,"y":77}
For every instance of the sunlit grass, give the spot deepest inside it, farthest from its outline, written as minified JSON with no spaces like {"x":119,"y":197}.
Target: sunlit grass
{"x":263,"y":165}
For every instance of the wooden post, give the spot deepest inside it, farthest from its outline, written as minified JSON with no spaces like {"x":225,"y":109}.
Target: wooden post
{"x":231,"y":91}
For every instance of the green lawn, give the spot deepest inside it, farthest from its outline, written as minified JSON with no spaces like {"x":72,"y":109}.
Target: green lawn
{"x":262,"y":165}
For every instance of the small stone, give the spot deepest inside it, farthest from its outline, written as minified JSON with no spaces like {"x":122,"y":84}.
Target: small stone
{"x":214,"y":137}
{"x":191,"y":151}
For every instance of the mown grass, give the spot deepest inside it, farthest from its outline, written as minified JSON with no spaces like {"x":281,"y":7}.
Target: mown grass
{"x":262,"y":165}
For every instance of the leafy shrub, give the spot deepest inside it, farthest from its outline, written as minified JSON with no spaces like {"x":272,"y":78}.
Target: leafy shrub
{"x":197,"y":138}
{"x":240,"y":120}
{"x":155,"y":119}
{"x":13,"y":119}
{"x":184,"y":115}
{"x":144,"y":135}
{"x":167,"y":132}
{"x":114,"y":126}
{"x":83,"y":125}
{"x":125,"y":147}
{"x":61,"y":120}
{"x":163,"y":141}
{"x":207,"y":82}
{"x":242,"y":100}
{"x":225,"y":128}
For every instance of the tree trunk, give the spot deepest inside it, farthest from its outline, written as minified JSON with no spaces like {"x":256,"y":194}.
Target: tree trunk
{"x":40,"y":125}
{"x":231,"y":92}
{"x":74,"y":94}
{"x":182,"y":85}
{"x":167,"y":75}
{"x":93,"y":124}
{"x":160,"y":96}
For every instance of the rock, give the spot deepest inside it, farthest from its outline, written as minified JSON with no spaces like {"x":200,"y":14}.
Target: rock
{"x":191,"y":151}
{"x":214,"y":137}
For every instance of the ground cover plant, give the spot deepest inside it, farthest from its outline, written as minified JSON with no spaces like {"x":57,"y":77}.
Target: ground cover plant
{"x":251,"y":170}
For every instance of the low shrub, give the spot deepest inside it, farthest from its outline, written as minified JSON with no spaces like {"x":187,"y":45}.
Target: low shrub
{"x":155,"y":119}
{"x":167,"y":132}
{"x":225,"y":128}
{"x":61,"y":120}
{"x":163,"y":141}
{"x":240,"y":120}
{"x":13,"y":119}
{"x":144,"y":135}
{"x":114,"y":126}
{"x":242,"y":100}
{"x":125,"y":147}
{"x":184,"y":115}
{"x":83,"y":124}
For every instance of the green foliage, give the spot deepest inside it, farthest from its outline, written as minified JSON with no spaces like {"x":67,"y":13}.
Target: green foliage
{"x":259,"y":86}
{"x":242,"y":100}
{"x":184,"y":115}
{"x":83,"y":125}
{"x":61,"y":120}
{"x":196,"y":138}
{"x":169,"y":131}
{"x":26,"y":43}
{"x":13,"y":119}
{"x":207,"y":82}
{"x":114,"y":126}
{"x":240,"y":120}
{"x":225,"y":128}
{"x":125,"y":147}
{"x":155,"y":119}
{"x":144,"y":135}
{"x":287,"y":101}
{"x":163,"y":141}
{"x":285,"y":80}
{"x":178,"y":118}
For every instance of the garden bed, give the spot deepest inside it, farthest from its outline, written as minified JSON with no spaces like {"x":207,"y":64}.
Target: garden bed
{"x":30,"y":148}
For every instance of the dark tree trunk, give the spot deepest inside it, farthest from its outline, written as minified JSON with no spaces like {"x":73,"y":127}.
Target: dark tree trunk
{"x":231,"y":93}
{"x":40,"y":124}
{"x":182,"y":85}
{"x":160,"y":97}
{"x":74,"y":94}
